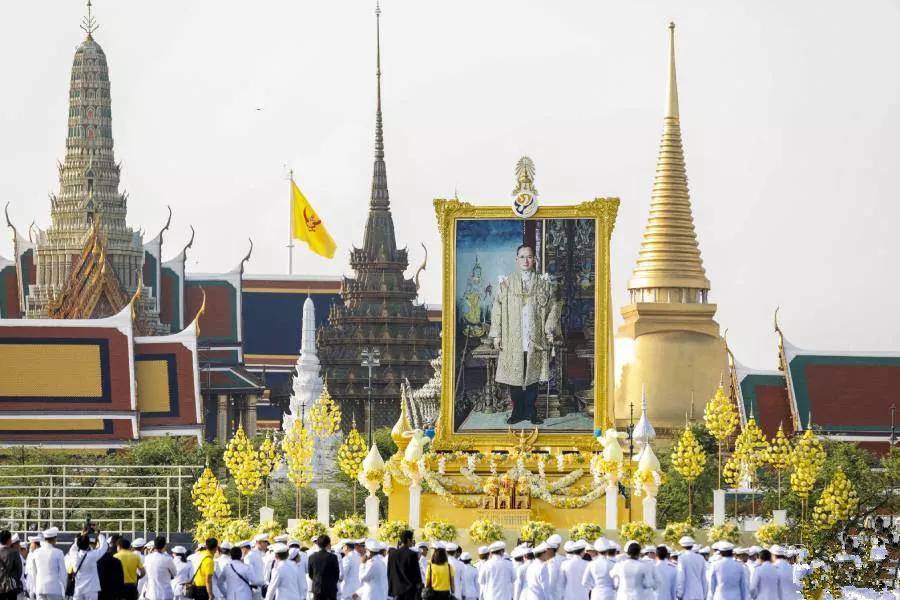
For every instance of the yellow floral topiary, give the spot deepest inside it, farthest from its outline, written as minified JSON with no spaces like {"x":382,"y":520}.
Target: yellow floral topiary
{"x":217,"y":507}
{"x":726,"y":531}
{"x":638,"y":531}
{"x":350,"y":527}
{"x":237,"y":530}
{"x":352,"y":453}
{"x":838,"y":502}
{"x":676,"y":530}
{"x":243,"y":463}
{"x":688,"y":460}
{"x":589,"y":532}
{"x":269,"y":457}
{"x":779,"y":456}
{"x":307,"y":530}
{"x":298,"y":453}
{"x":807,"y":460}
{"x":389,"y":531}
{"x":536,"y":531}
{"x":204,"y":488}
{"x":439,"y":530}
{"x":485,"y":531}
{"x":721,"y":419}
{"x":325,"y":416}
{"x":772,"y":533}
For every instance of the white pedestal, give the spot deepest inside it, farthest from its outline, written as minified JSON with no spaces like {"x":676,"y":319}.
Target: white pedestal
{"x":415,"y":506}
{"x":292,"y":523}
{"x":266,"y":514}
{"x":780,"y":516}
{"x":372,"y":513}
{"x":323,"y":508}
{"x":612,"y":507}
{"x":650,"y":511}
{"x":718,"y":507}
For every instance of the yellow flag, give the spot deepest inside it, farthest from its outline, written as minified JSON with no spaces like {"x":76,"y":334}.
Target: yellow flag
{"x":308,"y":227}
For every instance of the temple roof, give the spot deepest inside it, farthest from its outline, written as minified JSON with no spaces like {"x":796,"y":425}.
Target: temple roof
{"x":670,"y":255}
{"x":762,"y":395}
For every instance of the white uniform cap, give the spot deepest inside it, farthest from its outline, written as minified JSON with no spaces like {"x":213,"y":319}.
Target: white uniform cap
{"x":450,"y":547}
{"x":179,"y":550}
{"x":704,"y":550}
{"x":483,"y":550}
{"x":686,"y":541}
{"x":292,"y":543}
{"x":437,"y":544}
{"x":584,"y":543}
{"x":35,"y":538}
{"x":518,"y":552}
{"x":540,"y":548}
{"x":51,"y":533}
{"x":245,"y":544}
{"x":554,"y":541}
{"x":138,"y":543}
{"x":723,"y":546}
{"x":15,"y":539}
{"x":603,"y":545}
{"x":497,"y":546}
{"x":578,"y":546}
{"x":226,"y":546}
{"x":791,"y":553}
{"x":754,"y":550}
{"x":373,"y":545}
{"x":741,"y":550}
{"x":293,"y":553}
{"x":279,"y":548}
{"x":777,"y":550}
{"x":568,"y":546}
{"x":465,"y":556}
{"x":648,"y":550}
{"x":421,"y":545}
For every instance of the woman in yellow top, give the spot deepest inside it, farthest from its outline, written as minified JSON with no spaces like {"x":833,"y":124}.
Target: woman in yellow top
{"x":439,"y":577}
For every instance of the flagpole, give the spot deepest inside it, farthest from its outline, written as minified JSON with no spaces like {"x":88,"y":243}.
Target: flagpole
{"x":291,"y":231}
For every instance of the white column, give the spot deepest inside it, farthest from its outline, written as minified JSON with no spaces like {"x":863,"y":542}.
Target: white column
{"x":612,"y":507}
{"x":372,"y":513}
{"x":415,"y":505}
{"x":266,"y":514}
{"x":323,"y":509}
{"x":718,"y":507}
{"x":650,"y":511}
{"x":780,"y":516}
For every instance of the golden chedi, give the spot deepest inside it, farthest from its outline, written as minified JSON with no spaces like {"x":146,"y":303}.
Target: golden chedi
{"x":669,"y":341}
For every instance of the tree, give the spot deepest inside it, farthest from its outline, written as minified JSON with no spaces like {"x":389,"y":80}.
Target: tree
{"x":721,"y":419}
{"x":688,"y":460}
{"x":778,"y":456}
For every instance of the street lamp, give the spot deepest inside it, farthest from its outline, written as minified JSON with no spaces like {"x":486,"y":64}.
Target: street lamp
{"x":370,"y":359}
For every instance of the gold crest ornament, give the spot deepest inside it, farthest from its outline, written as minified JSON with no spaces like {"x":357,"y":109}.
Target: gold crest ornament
{"x":525,"y":202}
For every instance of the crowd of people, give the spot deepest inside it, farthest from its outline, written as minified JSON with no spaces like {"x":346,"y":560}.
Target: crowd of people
{"x":97,"y":567}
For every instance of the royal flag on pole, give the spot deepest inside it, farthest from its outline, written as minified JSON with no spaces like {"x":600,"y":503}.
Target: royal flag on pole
{"x":307,"y":226}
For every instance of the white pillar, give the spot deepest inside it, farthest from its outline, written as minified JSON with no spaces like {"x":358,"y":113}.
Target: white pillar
{"x":323,"y":509}
{"x":415,"y":505}
{"x":780,"y":516}
{"x":266,"y":514}
{"x":372,"y":513}
{"x":612,"y":507}
{"x":718,"y":507}
{"x":650,"y":511}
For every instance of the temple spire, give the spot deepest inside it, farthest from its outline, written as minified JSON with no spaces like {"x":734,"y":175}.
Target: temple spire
{"x":89,"y":23}
{"x":669,"y":268}
{"x":380,"y":197}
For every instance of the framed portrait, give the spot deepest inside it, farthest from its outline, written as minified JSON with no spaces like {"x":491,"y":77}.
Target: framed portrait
{"x":526,"y":324}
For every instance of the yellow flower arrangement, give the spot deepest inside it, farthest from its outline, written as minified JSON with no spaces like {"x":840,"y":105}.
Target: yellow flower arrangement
{"x":772,"y":533}
{"x":236,"y":530}
{"x":587,"y":531}
{"x":243,"y":463}
{"x":838,"y":502}
{"x":350,"y":527}
{"x":389,"y":531}
{"x":268,"y":456}
{"x":207,"y":528}
{"x":688,"y":460}
{"x":325,"y":416}
{"x":721,"y":419}
{"x":352,"y":453}
{"x":726,"y":531}
{"x":536,"y":531}
{"x":439,"y":530}
{"x":807,"y":460}
{"x":675,"y":530}
{"x":298,"y":452}
{"x":307,"y":530}
{"x":204,"y":488}
{"x":779,"y":456}
{"x":485,"y":531}
{"x":217,"y":507}
{"x":270,"y":528}
{"x":638,"y":531}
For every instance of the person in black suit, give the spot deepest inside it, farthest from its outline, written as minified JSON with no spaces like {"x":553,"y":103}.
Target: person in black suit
{"x":404,"y":575}
{"x":109,"y":570}
{"x":324,"y":570}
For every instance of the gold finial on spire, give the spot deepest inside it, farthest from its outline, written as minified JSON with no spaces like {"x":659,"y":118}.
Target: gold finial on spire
{"x":672,"y":89}
{"x":89,"y":23}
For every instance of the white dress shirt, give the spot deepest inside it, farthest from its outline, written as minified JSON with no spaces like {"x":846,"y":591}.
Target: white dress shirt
{"x":496,"y":579}
{"x":184,"y":573}
{"x":87,"y":581}
{"x":597,"y":578}
{"x":728,"y":580}
{"x":49,"y":571}
{"x":160,"y":571}
{"x":633,"y":580}
{"x":764,"y":583}
{"x":469,"y":582}
{"x":457,"y":566}
{"x":571,"y":577}
{"x":350,"y":566}
{"x":537,"y":581}
{"x":237,"y":578}
{"x":519,"y":584}
{"x":373,"y":579}
{"x":255,"y":559}
{"x":691,"y":580}
{"x":284,"y":584}
{"x":786,"y":586}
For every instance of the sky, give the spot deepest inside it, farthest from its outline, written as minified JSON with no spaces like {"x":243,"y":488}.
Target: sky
{"x":789,"y":112}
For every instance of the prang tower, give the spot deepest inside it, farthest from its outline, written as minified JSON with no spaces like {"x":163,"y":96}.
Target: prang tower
{"x":669,"y":343}
{"x":379,"y":310}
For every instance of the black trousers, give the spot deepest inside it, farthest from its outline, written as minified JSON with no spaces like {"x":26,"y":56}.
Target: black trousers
{"x":524,"y":399}
{"x":130,"y":592}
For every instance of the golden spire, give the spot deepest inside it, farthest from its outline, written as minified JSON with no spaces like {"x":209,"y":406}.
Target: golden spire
{"x":670,"y":255}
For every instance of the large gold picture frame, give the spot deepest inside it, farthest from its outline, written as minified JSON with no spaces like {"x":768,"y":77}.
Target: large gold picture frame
{"x":603,"y":211}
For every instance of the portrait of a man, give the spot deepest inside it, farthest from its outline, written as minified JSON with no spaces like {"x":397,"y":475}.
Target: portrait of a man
{"x":524,"y":292}
{"x":524,"y":328}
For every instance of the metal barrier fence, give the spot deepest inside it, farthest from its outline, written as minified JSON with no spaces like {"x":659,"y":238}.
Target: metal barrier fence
{"x":117,"y":498}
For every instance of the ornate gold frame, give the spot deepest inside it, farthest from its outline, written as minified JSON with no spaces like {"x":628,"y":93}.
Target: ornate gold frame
{"x":603,"y":211}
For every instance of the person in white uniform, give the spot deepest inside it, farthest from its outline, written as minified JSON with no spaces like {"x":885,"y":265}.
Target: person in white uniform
{"x":373,"y":577}
{"x":785,"y":571}
{"x":728,"y":577}
{"x":82,"y":560}
{"x":633,"y":578}
{"x":184,"y":572}
{"x":554,"y":565}
{"x":350,"y":566}
{"x":222,"y":560}
{"x":571,"y":573}
{"x":283,"y":584}
{"x":519,"y":567}
{"x":537,"y":575}
{"x":254,"y":558}
{"x":690,"y":583}
{"x":497,"y":576}
{"x":160,"y":569}
{"x":597,"y":577}
{"x":49,"y":569}
{"x":238,"y":578}
{"x":764,"y":580}
{"x":422,"y":549}
{"x":666,"y":574}
{"x":453,"y":552}
{"x":469,"y":578}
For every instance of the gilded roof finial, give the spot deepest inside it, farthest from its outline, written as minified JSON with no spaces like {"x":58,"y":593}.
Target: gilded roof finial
{"x":89,"y":23}
{"x":380,"y":198}
{"x":672,"y":89}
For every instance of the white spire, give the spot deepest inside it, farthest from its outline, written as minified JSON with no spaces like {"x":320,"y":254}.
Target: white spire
{"x":308,"y":333}
{"x":308,"y":383}
{"x":643,"y":432}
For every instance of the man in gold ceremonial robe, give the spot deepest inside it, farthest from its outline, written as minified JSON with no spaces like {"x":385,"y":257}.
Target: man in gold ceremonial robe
{"x":524,"y":327}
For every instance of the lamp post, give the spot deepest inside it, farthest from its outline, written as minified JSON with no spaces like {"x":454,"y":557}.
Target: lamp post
{"x":370,"y":359}
{"x":893,"y":439}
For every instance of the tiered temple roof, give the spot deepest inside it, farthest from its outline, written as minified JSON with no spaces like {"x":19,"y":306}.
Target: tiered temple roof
{"x":379,"y":310}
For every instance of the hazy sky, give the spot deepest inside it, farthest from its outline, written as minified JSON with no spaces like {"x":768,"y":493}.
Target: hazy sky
{"x":789,"y":114}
